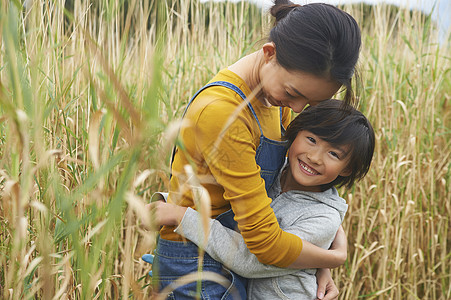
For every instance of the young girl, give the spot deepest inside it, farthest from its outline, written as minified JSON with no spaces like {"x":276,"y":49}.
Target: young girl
{"x":236,"y":150}
{"x":329,"y":147}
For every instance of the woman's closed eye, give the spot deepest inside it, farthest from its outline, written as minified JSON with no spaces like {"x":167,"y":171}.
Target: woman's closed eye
{"x":288,"y":94}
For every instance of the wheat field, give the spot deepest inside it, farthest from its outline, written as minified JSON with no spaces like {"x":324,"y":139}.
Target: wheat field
{"x":90,"y":95}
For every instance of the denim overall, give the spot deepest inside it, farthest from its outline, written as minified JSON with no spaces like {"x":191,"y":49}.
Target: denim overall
{"x":174,"y":259}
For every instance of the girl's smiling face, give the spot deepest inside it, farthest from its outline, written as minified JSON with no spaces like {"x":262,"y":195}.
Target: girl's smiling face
{"x":294,"y":89}
{"x":314,"y":162}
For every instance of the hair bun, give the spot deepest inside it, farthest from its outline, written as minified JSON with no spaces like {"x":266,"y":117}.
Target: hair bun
{"x":281,"y":8}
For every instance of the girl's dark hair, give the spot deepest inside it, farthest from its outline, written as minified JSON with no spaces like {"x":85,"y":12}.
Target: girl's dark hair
{"x":338,"y":126}
{"x":317,"y":38}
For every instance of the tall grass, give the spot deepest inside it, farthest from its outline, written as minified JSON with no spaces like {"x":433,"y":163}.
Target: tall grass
{"x":89,"y":98}
{"x":399,"y":219}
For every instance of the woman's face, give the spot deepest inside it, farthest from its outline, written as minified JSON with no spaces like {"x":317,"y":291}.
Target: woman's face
{"x":294,"y":89}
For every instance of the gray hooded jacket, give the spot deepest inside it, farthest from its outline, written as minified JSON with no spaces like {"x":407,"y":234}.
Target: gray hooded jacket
{"x":314,"y":217}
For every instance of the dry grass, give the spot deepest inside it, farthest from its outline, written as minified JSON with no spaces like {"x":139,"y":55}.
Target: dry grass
{"x":87,"y":95}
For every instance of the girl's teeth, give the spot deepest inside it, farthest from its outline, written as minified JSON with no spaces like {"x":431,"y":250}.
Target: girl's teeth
{"x":308,"y":169}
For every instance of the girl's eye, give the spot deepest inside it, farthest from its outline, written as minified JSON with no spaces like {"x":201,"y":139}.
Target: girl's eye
{"x":335,"y":154}
{"x":312,"y":140}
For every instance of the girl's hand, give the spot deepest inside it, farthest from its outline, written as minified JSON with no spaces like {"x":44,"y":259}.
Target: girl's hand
{"x":326,"y":286}
{"x":166,"y":213}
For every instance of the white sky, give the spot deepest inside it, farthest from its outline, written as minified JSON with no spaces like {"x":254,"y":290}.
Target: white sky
{"x":426,"y":5}
{"x":441,"y":9}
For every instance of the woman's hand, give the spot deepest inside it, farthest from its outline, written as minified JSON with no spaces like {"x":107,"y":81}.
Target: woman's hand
{"x":326,"y":286}
{"x":166,"y":213}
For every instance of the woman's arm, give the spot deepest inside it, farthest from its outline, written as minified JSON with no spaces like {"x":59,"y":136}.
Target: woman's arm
{"x":232,"y":164}
{"x":228,"y":148}
{"x":223,"y":152}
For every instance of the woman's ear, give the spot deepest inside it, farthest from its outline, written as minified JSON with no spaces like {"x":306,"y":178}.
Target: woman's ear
{"x":269,"y":51}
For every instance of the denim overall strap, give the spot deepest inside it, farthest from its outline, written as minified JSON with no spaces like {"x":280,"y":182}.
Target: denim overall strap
{"x":215,"y":83}
{"x":270,"y":154}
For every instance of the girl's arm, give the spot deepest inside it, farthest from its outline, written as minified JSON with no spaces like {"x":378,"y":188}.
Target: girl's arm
{"x":315,"y":257}
{"x":228,"y":247}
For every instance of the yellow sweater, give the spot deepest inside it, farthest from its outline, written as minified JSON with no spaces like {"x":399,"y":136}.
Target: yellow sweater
{"x":227,"y":168}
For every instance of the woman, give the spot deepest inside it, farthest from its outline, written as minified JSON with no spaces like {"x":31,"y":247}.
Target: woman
{"x":232,"y":137}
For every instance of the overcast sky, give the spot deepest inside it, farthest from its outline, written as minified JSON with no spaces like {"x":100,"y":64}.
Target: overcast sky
{"x":441,"y":9}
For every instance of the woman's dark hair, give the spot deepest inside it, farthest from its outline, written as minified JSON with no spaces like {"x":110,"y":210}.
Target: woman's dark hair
{"x":317,"y":38}
{"x":338,"y":126}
